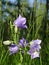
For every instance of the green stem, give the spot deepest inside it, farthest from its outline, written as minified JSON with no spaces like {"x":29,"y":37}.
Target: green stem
{"x":40,"y":60}
{"x":5,"y":57}
{"x":1,"y":57}
{"x":21,"y":58}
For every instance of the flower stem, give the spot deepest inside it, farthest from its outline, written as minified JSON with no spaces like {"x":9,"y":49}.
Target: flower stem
{"x":40,"y":60}
{"x":21,"y":58}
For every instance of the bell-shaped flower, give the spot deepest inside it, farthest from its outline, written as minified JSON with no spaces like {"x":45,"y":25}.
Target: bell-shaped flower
{"x":13,"y":49}
{"x":20,"y":22}
{"x":23,"y":42}
{"x":33,"y":53}
{"x":35,"y":44}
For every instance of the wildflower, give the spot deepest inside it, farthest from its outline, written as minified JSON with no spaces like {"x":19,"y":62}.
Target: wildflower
{"x":23,"y":42}
{"x":20,"y":22}
{"x":13,"y":49}
{"x":35,"y":41}
{"x":34,"y":48}
{"x":33,"y":53}
{"x":7,"y":42}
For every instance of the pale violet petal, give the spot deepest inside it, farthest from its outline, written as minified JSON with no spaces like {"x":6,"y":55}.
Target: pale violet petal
{"x":35,"y":55}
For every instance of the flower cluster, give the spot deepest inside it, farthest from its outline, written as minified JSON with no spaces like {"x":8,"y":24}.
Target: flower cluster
{"x":34,"y":45}
{"x":34,"y":48}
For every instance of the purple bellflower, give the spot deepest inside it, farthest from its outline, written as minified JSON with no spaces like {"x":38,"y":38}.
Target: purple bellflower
{"x":23,"y":42}
{"x":13,"y":49}
{"x":20,"y":22}
{"x":34,"y":48}
{"x":35,"y":44}
{"x":33,"y":53}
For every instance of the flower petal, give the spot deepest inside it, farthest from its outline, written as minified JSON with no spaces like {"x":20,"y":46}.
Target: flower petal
{"x":34,"y":55}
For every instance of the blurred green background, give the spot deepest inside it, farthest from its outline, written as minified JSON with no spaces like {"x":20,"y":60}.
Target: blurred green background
{"x":37,"y":15}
